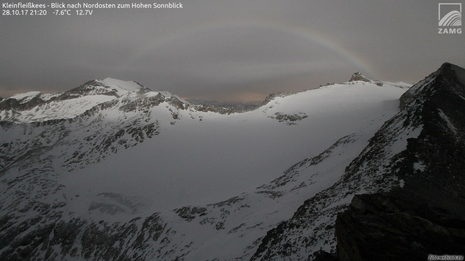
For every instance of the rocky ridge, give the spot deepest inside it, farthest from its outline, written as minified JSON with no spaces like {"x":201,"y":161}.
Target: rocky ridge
{"x":84,"y":99}
{"x":426,"y":215}
{"x":417,"y":151}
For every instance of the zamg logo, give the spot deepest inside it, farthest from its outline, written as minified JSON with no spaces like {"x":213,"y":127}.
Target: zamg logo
{"x":450,"y":17}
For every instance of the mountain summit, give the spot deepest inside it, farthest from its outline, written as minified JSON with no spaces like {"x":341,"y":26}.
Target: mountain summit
{"x":114,"y":171}
{"x":38,"y":107}
{"x":357,"y":76}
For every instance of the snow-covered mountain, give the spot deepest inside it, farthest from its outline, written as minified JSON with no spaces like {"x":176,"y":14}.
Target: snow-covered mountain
{"x":111,"y":170}
{"x":412,"y":179}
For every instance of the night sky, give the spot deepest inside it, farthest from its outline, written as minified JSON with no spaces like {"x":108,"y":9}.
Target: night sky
{"x":238,"y":51}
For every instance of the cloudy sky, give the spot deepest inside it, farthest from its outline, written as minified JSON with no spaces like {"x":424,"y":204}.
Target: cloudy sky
{"x":239,"y":50}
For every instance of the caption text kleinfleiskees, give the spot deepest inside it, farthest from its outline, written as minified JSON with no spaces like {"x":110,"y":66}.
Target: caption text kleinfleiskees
{"x":77,"y":8}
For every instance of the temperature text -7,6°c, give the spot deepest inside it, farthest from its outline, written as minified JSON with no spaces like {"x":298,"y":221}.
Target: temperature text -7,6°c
{"x":71,"y":12}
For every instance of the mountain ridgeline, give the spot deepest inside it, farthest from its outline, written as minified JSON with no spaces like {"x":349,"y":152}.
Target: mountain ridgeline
{"x":425,"y":216}
{"x":408,"y":202}
{"x":111,"y":170}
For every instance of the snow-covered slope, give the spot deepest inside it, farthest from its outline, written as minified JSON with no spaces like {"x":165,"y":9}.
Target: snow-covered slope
{"x":133,"y":174}
{"x":35,"y":106}
{"x":393,"y":154}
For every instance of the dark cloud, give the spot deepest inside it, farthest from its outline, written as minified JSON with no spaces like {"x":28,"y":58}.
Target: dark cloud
{"x":235,"y":50}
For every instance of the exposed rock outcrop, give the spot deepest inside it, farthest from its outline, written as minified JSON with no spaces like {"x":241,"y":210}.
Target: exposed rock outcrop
{"x":427,"y":214}
{"x":359,"y":77}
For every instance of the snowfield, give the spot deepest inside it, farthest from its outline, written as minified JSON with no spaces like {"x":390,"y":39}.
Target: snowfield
{"x":195,"y":162}
{"x":128,"y":154}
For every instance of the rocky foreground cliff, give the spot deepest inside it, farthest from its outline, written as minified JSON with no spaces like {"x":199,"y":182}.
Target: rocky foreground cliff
{"x":425,"y":216}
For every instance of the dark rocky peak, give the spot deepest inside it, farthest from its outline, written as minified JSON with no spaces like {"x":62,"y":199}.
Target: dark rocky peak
{"x":448,"y":78}
{"x":426,"y":214}
{"x":438,"y":101}
{"x":359,"y":77}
